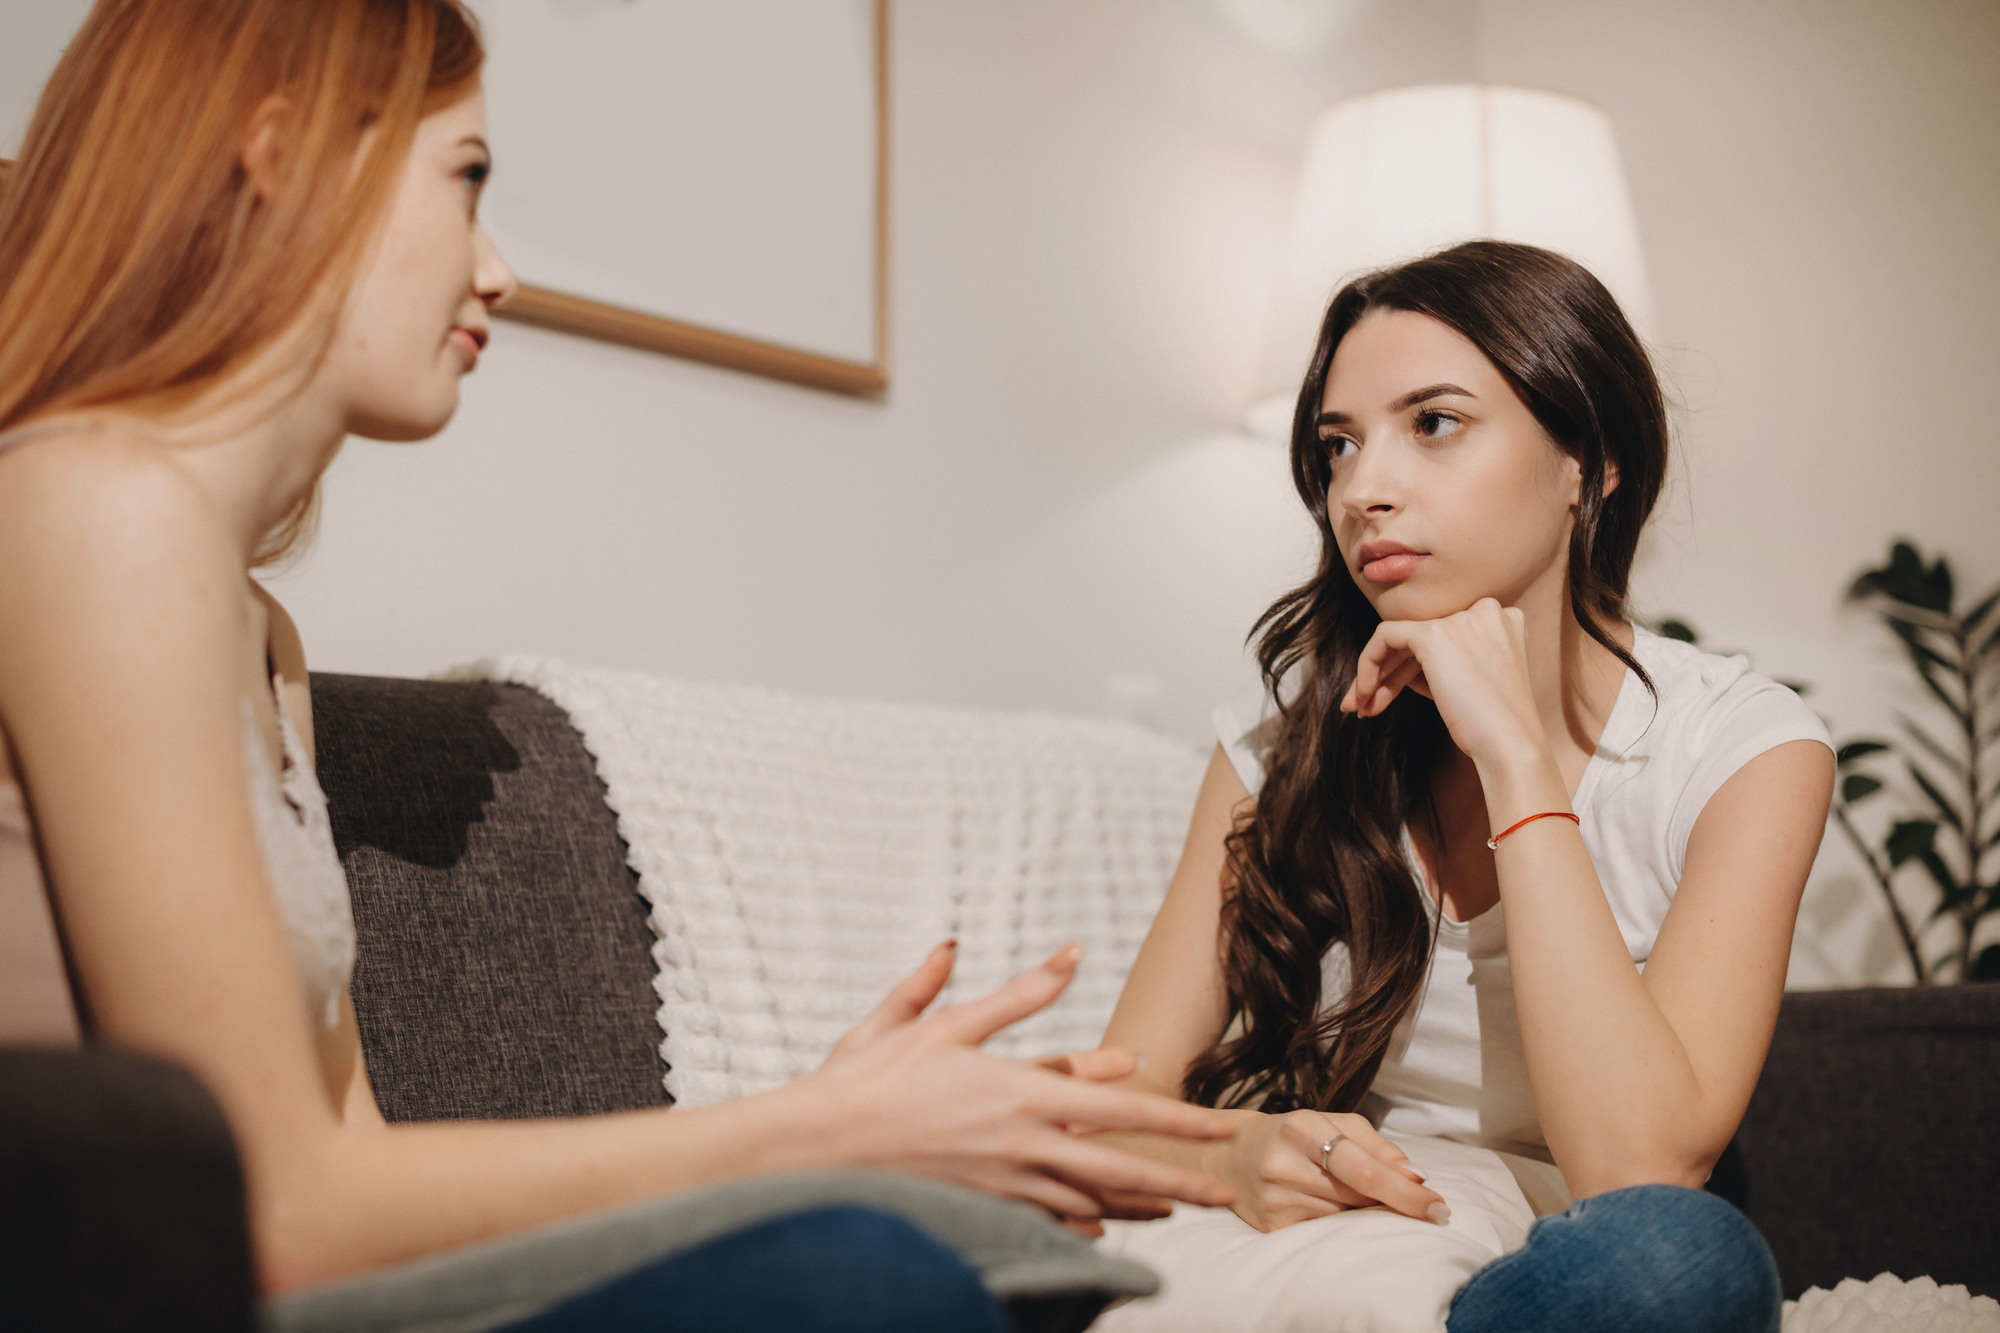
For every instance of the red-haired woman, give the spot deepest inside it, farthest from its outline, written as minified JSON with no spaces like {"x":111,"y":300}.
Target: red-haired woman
{"x":1480,"y":865}
{"x":239,"y":231}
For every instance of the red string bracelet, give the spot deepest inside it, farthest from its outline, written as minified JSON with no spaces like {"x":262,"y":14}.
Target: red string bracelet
{"x":1493,"y":843}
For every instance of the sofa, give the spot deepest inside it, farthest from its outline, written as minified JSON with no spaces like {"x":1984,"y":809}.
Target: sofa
{"x":504,"y":972}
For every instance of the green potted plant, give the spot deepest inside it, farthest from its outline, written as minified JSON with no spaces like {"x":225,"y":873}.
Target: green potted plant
{"x":1942,"y":771}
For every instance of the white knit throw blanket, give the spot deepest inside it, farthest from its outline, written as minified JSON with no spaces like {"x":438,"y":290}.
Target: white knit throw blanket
{"x":802,"y":855}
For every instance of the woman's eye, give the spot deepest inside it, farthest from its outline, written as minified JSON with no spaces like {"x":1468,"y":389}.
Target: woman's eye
{"x":1339,"y":446}
{"x":475,"y":175}
{"x":1432,"y":425}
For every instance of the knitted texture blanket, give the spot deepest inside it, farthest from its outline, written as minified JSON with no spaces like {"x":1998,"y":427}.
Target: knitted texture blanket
{"x":803,"y":855}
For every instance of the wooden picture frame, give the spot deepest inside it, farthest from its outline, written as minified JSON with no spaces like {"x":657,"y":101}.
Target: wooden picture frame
{"x":660,"y":331}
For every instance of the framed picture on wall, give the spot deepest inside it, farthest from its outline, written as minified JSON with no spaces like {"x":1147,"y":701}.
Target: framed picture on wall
{"x":700,"y":179}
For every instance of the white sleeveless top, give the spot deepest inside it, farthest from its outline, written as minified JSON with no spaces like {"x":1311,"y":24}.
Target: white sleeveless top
{"x":293,"y":835}
{"x":1454,"y":1066}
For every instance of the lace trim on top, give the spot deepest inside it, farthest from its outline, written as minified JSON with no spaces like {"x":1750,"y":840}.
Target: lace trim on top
{"x":310,"y":888}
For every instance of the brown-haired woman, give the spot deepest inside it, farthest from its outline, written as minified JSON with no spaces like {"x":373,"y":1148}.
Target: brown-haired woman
{"x":1480,"y":865}
{"x":239,"y":231}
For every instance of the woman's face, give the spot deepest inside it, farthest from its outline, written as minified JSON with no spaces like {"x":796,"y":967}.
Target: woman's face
{"x":1444,"y":487}
{"x":416,"y":318}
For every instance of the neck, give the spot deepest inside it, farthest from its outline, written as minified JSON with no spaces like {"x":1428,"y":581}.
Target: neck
{"x":256,"y":441}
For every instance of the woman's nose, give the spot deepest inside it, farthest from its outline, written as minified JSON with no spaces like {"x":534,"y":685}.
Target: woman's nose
{"x":491,"y":278}
{"x":1371,"y":483}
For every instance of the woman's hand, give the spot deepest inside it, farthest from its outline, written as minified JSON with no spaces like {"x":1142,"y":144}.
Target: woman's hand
{"x":914,"y":1092}
{"x":1473,"y":665}
{"x":1274,"y":1167}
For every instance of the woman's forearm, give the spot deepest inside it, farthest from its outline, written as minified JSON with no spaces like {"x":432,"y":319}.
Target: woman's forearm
{"x":374,"y":1194}
{"x":1617,"y":1095}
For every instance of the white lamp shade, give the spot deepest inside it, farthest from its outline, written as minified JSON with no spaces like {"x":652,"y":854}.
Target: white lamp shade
{"x":1392,"y":175}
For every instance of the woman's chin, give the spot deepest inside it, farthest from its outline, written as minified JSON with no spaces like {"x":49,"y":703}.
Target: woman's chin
{"x":404,"y":427}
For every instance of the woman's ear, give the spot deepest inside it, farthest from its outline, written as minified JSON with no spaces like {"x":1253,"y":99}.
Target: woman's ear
{"x":1573,"y":470}
{"x":263,"y":143}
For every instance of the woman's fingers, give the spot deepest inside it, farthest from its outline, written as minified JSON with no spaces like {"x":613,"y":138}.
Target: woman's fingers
{"x":1090,"y":1107}
{"x":1405,"y":672}
{"x":1390,"y":650}
{"x":1132,"y":1206}
{"x":1360,"y":1177}
{"x":1099,"y":1066}
{"x":1102,"y":1169}
{"x":1037,"y":1187}
{"x":973,"y":1022}
{"x":908,"y":998}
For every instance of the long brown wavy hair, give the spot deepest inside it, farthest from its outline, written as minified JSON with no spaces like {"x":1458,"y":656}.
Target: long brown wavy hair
{"x":1319,"y":859}
{"x":139,"y":263}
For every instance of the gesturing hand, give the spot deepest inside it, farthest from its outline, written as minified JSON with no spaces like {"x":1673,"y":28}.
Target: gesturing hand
{"x":1473,"y":665}
{"x":914,"y":1092}
{"x":1275,"y":1169}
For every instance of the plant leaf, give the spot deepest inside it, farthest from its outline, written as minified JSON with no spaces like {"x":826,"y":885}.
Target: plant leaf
{"x":1946,"y":810}
{"x":1909,"y":838}
{"x":1912,"y":635}
{"x":1939,"y":578}
{"x":1951,"y":894}
{"x":1858,"y":787}
{"x":1972,"y":618}
{"x":1678,"y":630}
{"x":1943,"y":696}
{"x":1799,"y":687}
{"x":1986,"y":967}
{"x":1992,"y":642}
{"x":1936,"y":751}
{"x":1860,"y":749}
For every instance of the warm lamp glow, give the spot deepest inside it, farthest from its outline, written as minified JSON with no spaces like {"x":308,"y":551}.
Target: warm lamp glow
{"x":1391,"y":175}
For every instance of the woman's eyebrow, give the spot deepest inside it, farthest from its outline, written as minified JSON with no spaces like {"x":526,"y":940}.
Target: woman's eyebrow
{"x":475,"y":141}
{"x":1425,"y":394}
{"x":1407,"y":401}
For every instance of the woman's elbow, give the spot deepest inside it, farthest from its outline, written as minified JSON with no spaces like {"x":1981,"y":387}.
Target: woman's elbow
{"x":1688,"y":1168}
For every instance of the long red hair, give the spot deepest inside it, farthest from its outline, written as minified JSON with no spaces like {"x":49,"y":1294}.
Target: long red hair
{"x":139,"y":262}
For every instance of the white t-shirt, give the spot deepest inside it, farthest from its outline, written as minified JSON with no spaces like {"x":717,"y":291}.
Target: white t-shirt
{"x":1454,"y":1067}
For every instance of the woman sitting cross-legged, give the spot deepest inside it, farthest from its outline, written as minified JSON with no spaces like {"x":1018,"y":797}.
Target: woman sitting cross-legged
{"x":239,"y":231}
{"x":1489,"y":893}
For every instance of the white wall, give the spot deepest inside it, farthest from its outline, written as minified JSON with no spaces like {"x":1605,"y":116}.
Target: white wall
{"x":1088,"y":201}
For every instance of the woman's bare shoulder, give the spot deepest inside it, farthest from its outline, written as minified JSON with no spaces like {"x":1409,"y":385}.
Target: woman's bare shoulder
{"x":108,"y":502}
{"x":113,"y":561}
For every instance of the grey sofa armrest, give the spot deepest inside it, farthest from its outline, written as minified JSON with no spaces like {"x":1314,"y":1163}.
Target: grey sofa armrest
{"x":121,"y":1197}
{"x":1870,"y":1146}
{"x":504,"y":966}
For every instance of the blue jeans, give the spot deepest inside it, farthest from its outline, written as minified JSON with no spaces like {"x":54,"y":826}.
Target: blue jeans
{"x":1639,"y":1260}
{"x":825,"y":1270}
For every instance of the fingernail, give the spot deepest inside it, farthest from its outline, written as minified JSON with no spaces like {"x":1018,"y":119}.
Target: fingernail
{"x":1412,"y":1172}
{"x":949,"y":944}
{"x":1439,"y":1213}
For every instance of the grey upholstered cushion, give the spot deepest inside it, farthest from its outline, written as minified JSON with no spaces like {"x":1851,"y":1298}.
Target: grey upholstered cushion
{"x":1870,"y":1144}
{"x":503,"y":968}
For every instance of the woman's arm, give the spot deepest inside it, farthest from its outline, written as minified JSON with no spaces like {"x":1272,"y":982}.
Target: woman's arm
{"x":1175,"y":1007}
{"x":130,"y":654}
{"x":1643,"y":1078}
{"x":1636,"y":1079}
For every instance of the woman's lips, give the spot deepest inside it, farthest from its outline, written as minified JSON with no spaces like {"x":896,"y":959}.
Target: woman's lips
{"x":1390,"y":568}
{"x":468,"y":342}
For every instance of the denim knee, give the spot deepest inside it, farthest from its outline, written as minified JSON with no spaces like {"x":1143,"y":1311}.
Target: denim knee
{"x":1652,"y":1257}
